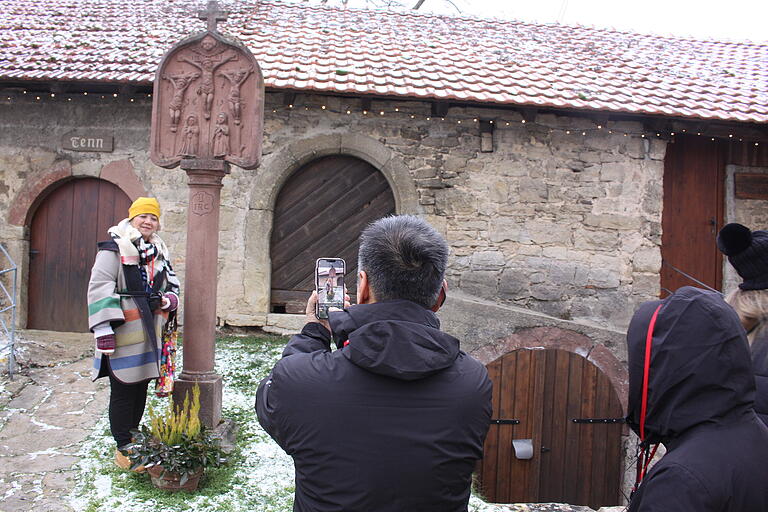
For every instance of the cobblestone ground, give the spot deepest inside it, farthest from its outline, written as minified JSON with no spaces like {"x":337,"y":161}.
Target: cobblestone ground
{"x":51,"y":406}
{"x":46,"y":411}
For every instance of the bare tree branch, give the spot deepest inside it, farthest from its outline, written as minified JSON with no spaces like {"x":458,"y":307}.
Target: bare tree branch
{"x":454,"y":6}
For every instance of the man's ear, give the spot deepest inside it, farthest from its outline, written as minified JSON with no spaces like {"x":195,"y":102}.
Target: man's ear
{"x":441,"y":296}
{"x":363,"y":289}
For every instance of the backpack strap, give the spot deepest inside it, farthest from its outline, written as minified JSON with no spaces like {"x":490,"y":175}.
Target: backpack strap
{"x":135,"y":288}
{"x":108,"y":245}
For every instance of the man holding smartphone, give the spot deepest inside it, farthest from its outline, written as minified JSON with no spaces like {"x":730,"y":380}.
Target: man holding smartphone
{"x":395,"y":418}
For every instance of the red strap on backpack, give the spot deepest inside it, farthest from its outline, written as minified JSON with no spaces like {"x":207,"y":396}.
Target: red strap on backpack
{"x":643,"y":456}
{"x":646,"y":372}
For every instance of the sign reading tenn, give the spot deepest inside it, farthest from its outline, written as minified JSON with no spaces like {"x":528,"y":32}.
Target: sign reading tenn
{"x":88,"y":141}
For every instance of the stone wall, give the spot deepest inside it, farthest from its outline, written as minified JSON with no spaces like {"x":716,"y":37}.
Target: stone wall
{"x":552,"y":220}
{"x":752,"y":213}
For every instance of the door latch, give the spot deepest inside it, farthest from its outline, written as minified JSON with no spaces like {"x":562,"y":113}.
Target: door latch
{"x":504,"y":422}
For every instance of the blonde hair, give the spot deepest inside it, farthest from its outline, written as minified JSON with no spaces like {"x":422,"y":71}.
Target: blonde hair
{"x":752,"y":308}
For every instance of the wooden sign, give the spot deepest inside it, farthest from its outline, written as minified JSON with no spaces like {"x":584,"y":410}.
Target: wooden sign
{"x":88,"y":140}
{"x":750,"y":185}
{"x":208,"y":103}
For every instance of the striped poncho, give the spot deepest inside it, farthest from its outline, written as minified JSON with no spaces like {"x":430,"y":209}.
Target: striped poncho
{"x":135,"y":358}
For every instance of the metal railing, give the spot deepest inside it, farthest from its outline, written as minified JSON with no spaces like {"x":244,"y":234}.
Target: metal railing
{"x":665,"y":263}
{"x":8,"y":311}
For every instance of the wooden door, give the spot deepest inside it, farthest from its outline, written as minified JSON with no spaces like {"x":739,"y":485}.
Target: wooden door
{"x":63,"y":236}
{"x":320,"y":212}
{"x":694,"y":174}
{"x":573,"y":462}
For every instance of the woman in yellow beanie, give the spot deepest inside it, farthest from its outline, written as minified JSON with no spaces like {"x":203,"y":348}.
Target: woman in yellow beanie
{"x":131,"y":293}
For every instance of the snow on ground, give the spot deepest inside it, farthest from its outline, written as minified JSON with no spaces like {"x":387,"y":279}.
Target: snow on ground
{"x":260,"y":475}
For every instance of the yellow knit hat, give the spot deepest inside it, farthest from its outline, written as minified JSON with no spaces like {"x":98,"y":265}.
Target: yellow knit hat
{"x":144,"y":205}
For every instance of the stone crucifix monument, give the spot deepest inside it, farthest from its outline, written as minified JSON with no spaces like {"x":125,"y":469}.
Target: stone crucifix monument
{"x":207,"y":112}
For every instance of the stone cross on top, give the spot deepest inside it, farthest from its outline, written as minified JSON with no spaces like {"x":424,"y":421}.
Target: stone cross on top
{"x":212,"y":15}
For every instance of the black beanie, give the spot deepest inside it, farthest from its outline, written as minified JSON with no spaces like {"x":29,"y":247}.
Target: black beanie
{"x":748,"y":253}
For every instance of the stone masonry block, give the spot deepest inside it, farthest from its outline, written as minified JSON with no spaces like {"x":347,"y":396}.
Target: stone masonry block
{"x":487,"y":260}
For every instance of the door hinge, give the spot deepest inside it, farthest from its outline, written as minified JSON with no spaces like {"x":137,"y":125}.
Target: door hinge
{"x":505,"y":422}
{"x":599,"y":420}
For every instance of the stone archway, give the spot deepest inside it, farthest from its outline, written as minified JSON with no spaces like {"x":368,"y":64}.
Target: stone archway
{"x":277,"y":167}
{"x":34,"y":191}
{"x":562,"y":339}
{"x":120,"y":173}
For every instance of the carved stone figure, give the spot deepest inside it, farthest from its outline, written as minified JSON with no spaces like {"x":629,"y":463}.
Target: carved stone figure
{"x":180,"y":84}
{"x":236,"y":78}
{"x":191,"y":137}
{"x":202,"y":76}
{"x":221,"y":136}
{"x":207,"y":57}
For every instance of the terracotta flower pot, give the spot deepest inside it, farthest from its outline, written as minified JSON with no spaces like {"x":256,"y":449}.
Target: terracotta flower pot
{"x":170,"y":481}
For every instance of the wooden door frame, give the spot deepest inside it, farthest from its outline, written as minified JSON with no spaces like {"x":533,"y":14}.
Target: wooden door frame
{"x":532,"y":370}
{"x":33,"y":192}
{"x":275,"y":169}
{"x":668,"y":277}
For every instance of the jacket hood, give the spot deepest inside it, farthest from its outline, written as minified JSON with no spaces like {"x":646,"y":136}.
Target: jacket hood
{"x":700,"y":369}
{"x":396,"y":338}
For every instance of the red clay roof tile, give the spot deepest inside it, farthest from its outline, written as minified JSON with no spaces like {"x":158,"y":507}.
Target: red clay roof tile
{"x":397,"y":54}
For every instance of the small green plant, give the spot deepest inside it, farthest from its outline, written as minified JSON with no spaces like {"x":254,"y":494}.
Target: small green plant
{"x":177,"y":422}
{"x":176,"y":441}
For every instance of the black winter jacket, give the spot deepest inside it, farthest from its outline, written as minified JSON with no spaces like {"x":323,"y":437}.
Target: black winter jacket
{"x":760,"y":365}
{"x":700,"y":406}
{"x":394,"y":421}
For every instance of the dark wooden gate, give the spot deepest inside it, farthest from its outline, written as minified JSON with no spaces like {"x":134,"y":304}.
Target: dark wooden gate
{"x":573,"y":461}
{"x":63,"y":236}
{"x":320,"y":212}
{"x":694,"y":177}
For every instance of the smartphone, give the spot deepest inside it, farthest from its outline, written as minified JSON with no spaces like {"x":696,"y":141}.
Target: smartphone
{"x":329,"y":283}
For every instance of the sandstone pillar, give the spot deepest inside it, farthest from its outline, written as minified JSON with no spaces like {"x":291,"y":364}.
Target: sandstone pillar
{"x":205,"y":182}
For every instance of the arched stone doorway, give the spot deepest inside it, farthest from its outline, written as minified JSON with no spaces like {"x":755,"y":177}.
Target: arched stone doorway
{"x":64,"y":230}
{"x":566,"y":410}
{"x":320,"y":211}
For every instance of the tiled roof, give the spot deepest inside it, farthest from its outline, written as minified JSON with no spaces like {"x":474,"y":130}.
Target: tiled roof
{"x":403,"y":54}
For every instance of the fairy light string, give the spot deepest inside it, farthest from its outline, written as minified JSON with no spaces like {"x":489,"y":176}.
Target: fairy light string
{"x":498,"y":120}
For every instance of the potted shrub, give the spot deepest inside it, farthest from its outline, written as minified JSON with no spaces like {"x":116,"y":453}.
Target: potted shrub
{"x":176,"y":448}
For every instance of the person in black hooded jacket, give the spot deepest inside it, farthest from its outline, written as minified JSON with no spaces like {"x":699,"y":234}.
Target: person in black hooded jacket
{"x":747,"y":252}
{"x":699,"y":404}
{"x":395,"y":418}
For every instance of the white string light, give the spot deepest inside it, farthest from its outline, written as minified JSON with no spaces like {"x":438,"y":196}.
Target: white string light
{"x":459,"y":120}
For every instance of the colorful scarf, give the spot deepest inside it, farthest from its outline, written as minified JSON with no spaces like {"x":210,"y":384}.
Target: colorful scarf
{"x":130,"y":243}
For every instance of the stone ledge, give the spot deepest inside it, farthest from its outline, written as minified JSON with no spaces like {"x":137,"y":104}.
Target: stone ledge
{"x":284,"y":323}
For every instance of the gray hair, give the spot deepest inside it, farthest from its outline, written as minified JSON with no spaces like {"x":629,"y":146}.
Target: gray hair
{"x":404,"y":258}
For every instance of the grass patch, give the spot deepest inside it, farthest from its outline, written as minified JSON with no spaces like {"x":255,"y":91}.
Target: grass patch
{"x":259,"y":475}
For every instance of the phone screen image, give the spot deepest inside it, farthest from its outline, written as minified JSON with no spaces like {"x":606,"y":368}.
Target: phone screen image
{"x":329,"y":283}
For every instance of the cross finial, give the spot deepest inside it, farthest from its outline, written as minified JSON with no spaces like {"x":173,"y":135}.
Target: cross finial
{"x":212,"y":14}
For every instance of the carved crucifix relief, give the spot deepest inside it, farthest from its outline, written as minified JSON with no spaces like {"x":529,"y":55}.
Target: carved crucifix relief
{"x":236,"y":78}
{"x":209,"y":103}
{"x":180,"y":83}
{"x":207,"y":57}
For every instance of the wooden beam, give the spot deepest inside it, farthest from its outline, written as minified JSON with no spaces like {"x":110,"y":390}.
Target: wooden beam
{"x":127,"y":90}
{"x":529,"y":114}
{"x":439,"y":108}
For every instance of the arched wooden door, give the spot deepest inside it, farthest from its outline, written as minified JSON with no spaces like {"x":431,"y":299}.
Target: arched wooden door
{"x":63,"y":236}
{"x":574,"y":462}
{"x":320,"y":212}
